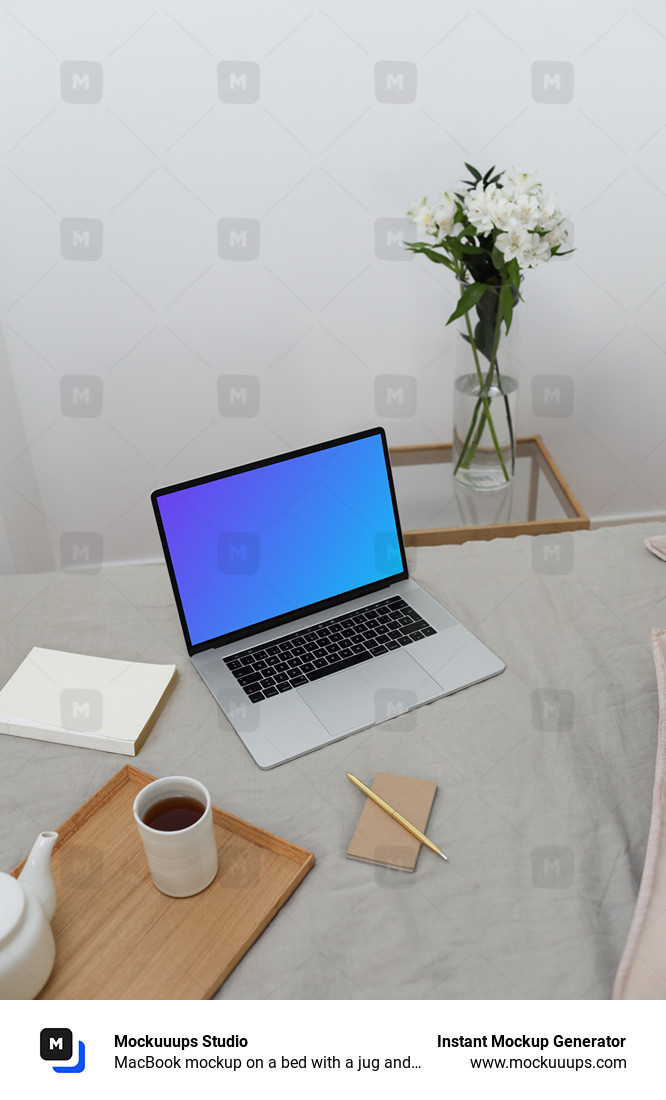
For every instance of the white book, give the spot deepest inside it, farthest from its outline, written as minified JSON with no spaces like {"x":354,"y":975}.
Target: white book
{"x":90,"y":702}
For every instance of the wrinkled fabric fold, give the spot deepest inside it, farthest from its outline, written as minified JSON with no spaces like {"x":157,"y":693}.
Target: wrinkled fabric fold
{"x":657,"y":545}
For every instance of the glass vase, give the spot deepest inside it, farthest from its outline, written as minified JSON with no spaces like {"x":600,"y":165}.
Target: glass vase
{"x":484,"y":400}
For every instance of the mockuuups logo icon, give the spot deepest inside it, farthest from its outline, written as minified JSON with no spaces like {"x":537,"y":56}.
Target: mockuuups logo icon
{"x":395,"y":81}
{"x":81,"y":550}
{"x":552,"y":867}
{"x":393,"y":855}
{"x":238,"y":81}
{"x":56,"y":1045}
{"x":553,"y":553}
{"x":552,"y":395}
{"x":84,"y":868}
{"x":238,"y":395}
{"x":396,"y":705}
{"x":81,"y":395}
{"x":81,"y":709}
{"x":390,"y":239}
{"x":552,"y":81}
{"x":243,"y":715}
{"x":395,"y":395}
{"x":238,"y":238}
{"x":552,"y":710}
{"x":81,"y":239}
{"x":238,"y":552}
{"x":387,"y":555}
{"x":81,"y":81}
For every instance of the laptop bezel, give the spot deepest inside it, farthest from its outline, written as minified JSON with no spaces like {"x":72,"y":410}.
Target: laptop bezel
{"x":301,"y":612}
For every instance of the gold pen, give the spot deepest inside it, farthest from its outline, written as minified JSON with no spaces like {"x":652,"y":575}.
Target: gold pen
{"x":394,"y":813}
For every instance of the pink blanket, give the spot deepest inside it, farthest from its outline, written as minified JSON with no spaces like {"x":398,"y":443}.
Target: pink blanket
{"x":642,"y":971}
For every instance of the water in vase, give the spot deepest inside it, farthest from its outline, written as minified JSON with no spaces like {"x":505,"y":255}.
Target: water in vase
{"x":481,"y":466}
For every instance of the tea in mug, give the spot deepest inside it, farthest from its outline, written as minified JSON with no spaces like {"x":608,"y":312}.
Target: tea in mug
{"x":171,"y":814}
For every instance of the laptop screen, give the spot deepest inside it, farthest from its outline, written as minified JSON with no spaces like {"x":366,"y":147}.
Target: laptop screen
{"x":257,"y":545}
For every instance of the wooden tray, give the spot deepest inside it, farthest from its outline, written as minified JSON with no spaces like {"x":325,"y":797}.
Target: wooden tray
{"x":118,"y":937}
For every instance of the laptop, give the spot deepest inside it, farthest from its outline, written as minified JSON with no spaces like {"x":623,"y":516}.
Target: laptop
{"x":295,"y":600}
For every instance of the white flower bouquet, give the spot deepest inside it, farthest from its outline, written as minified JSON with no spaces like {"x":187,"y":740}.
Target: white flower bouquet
{"x":486,"y":235}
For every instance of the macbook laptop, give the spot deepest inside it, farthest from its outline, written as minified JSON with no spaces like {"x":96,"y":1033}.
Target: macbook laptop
{"x":295,"y":600}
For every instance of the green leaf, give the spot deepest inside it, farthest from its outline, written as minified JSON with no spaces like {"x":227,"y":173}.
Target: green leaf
{"x":506,"y":304}
{"x":439,"y":244}
{"x":468,"y":299}
{"x":471,"y":249}
{"x":438,"y":259}
{"x":513,"y":271}
{"x":488,"y":308}
{"x":483,"y":337}
{"x":476,"y":174}
{"x":420,"y":246}
{"x":498,"y":259}
{"x":427,"y":250}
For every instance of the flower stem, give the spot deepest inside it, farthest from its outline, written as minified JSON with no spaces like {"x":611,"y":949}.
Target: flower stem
{"x":507,"y":407}
{"x":512,"y":442}
{"x":469,"y":449}
{"x":469,"y":434}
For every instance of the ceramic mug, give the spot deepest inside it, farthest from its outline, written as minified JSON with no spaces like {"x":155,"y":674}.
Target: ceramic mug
{"x":182,"y":861}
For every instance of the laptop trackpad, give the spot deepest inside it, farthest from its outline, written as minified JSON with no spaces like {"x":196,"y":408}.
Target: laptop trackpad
{"x":369,"y":693}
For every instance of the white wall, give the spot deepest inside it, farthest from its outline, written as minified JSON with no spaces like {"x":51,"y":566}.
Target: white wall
{"x":122,"y":345}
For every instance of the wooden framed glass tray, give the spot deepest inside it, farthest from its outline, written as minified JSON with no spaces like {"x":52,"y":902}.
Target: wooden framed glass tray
{"x":435,"y":509}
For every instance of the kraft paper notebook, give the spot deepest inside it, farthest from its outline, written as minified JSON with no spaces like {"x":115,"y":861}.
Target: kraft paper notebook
{"x":90,"y":702}
{"x":381,"y":840}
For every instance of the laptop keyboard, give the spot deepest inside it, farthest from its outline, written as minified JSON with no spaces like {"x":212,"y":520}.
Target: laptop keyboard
{"x":329,"y":647}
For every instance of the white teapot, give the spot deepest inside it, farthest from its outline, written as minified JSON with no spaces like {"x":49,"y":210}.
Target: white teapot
{"x":27,"y":904}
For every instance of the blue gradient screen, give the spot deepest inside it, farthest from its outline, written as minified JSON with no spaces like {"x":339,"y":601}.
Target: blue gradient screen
{"x":254,"y":545}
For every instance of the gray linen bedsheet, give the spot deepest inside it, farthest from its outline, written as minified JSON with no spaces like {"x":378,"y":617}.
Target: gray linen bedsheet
{"x":545,"y":775}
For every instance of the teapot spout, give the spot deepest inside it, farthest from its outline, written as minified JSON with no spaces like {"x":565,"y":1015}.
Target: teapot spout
{"x":36,"y":874}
